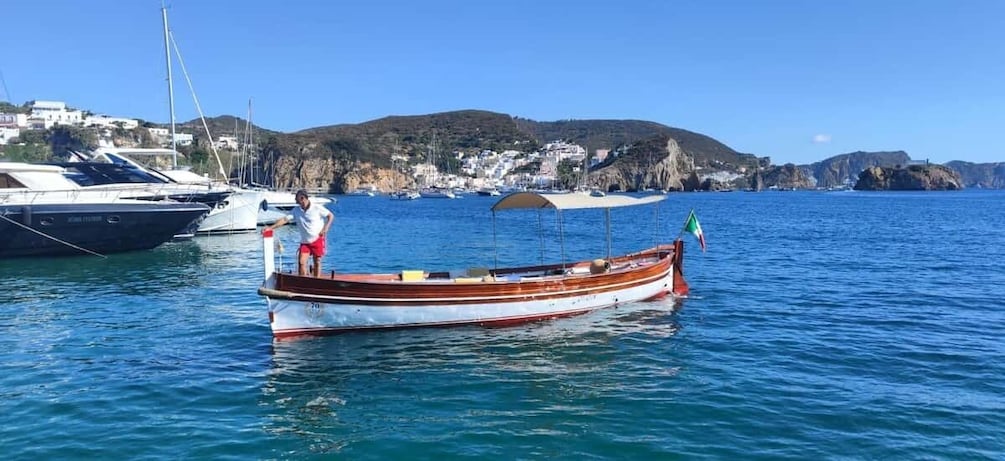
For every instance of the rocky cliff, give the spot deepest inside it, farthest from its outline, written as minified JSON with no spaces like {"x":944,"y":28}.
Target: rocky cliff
{"x":653,"y":155}
{"x":788,"y":176}
{"x":657,"y":163}
{"x":295,"y":162}
{"x":913,"y":177}
{"x":982,"y":175}
{"x":836,"y":170}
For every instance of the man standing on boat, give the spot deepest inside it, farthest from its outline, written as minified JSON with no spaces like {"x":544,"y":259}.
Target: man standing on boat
{"x":313,"y":222}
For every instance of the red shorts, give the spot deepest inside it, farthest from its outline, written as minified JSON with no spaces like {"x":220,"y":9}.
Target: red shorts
{"x":315,"y":248}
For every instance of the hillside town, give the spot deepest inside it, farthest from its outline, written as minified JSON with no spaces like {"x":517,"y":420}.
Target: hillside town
{"x":481,"y":170}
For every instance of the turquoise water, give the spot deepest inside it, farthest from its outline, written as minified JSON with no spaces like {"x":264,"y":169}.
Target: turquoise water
{"x":821,"y":325}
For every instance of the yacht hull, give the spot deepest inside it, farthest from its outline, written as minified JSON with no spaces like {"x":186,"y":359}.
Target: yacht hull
{"x":70,"y":229}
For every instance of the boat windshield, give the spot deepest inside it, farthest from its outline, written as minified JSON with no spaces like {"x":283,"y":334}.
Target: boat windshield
{"x":95,"y":173}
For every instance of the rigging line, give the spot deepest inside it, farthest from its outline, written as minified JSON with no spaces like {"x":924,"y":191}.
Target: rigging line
{"x":195,"y":99}
{"x":43,"y":234}
{"x":6,"y":92}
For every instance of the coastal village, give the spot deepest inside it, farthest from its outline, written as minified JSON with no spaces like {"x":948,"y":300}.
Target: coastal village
{"x":484,"y":170}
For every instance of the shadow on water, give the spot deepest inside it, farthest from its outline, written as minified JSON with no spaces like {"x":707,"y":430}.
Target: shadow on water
{"x":168,"y":267}
{"x":158,"y":269}
{"x":358,"y":389}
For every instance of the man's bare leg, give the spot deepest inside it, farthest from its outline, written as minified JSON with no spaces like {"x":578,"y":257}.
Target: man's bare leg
{"x":317,"y":266}
{"x":302,"y":264}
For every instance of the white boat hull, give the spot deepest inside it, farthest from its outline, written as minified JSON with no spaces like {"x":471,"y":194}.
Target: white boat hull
{"x":238,"y":214}
{"x":307,"y":305}
{"x":294,"y":317}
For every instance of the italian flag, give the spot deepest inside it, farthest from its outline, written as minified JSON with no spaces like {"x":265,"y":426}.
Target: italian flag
{"x":692,"y":227}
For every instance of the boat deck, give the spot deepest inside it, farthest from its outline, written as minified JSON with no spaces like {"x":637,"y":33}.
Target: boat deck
{"x":509,"y":275}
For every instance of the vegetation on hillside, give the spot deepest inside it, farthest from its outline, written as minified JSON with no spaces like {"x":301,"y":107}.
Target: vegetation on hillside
{"x":615,"y":134}
{"x":48,"y":145}
{"x":415,"y":137}
{"x":8,"y":108}
{"x":398,"y":142}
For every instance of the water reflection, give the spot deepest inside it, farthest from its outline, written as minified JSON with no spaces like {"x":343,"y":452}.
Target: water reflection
{"x":160,"y":269}
{"x":355,"y":388}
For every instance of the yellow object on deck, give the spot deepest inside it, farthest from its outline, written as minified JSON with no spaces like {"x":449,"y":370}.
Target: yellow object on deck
{"x":478,"y":272}
{"x":467,"y":280}
{"x":412,"y":276}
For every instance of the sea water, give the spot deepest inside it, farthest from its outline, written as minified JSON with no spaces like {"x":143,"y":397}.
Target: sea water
{"x":819,"y":326}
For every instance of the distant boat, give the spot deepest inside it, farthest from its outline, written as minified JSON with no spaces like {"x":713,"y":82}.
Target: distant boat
{"x":237,"y":214}
{"x":405,"y":194}
{"x":43,"y":213}
{"x":364,"y":191}
{"x":489,"y":191}
{"x":436,"y":192}
{"x":303,"y":305}
{"x":431,"y":188}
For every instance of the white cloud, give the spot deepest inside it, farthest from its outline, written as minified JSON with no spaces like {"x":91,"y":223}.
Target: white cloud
{"x":821,"y":139}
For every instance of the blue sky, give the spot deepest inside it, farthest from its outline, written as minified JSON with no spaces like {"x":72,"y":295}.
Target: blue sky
{"x":796,"y":80}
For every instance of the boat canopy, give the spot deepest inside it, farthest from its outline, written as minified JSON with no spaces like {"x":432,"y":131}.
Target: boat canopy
{"x":569,"y":201}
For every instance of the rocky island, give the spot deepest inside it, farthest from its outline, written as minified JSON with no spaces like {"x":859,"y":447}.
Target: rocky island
{"x":911,"y":177}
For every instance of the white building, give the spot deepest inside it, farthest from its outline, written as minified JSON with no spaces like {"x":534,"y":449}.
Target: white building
{"x":51,"y":113}
{"x":565,"y":151}
{"x":162,"y":136}
{"x":159,"y":132}
{"x":7,"y":133}
{"x":226,"y":142}
{"x":13,"y":120}
{"x":600,"y":156}
{"x":111,"y":122}
{"x":183,"y":139}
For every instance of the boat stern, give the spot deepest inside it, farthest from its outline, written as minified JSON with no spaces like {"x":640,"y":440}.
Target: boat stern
{"x":680,"y":286}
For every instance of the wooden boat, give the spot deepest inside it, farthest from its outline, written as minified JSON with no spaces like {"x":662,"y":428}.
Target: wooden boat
{"x":490,"y":297}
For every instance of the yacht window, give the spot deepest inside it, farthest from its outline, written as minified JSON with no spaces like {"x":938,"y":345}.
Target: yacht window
{"x":8,"y":182}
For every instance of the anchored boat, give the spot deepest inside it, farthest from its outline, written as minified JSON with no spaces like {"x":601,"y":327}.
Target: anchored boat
{"x":42,"y":213}
{"x":304,"y":305}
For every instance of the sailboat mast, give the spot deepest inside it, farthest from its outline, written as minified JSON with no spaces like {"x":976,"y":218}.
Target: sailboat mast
{"x":167,"y":56}
{"x":252,"y":154}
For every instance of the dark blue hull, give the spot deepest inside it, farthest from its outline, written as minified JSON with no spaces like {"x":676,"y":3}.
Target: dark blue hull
{"x":59,"y":229}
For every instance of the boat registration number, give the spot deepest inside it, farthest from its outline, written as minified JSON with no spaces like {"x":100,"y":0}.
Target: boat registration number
{"x":313,"y":310}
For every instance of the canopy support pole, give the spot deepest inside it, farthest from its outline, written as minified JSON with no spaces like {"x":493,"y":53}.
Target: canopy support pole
{"x":561,"y":236}
{"x":495,"y":247}
{"x":607,"y":213}
{"x":540,"y":233}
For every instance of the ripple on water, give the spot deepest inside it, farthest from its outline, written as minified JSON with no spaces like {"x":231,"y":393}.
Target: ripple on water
{"x":819,"y":326}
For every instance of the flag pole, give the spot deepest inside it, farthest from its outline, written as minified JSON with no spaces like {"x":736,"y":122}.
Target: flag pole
{"x":686,"y":220}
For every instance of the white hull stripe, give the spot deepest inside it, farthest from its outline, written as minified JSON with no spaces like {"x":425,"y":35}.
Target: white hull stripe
{"x":278,"y":294}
